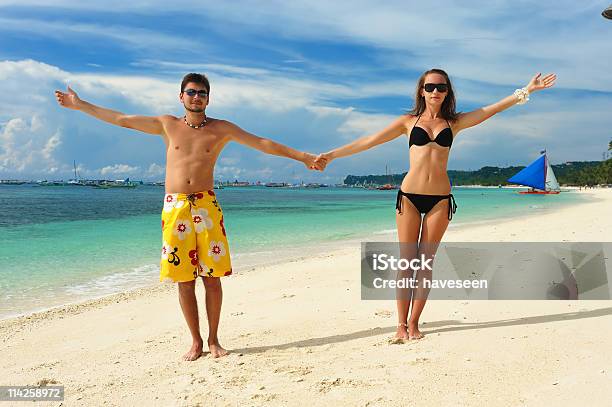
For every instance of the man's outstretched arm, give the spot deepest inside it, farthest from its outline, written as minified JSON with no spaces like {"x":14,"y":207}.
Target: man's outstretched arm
{"x":268,"y":146}
{"x":146,"y":124}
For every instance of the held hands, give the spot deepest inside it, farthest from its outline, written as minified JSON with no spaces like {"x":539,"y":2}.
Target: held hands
{"x":69,"y":100}
{"x":538,"y":82}
{"x":309,"y":161}
{"x":318,"y":162}
{"x":322,"y":160}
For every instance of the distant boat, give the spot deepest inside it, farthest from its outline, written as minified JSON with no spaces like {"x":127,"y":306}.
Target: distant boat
{"x":120,"y":183}
{"x":46,"y":183}
{"x":276,"y":184}
{"x":76,"y":180}
{"x":387,"y":187}
{"x":11,"y":182}
{"x":538,"y":175}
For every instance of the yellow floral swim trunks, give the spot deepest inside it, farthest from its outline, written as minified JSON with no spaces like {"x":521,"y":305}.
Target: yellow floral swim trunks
{"x":194,"y":240}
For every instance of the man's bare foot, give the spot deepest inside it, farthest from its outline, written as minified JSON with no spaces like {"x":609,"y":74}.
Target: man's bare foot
{"x":216,"y":351}
{"x":195,"y":351}
{"x":402,"y":332}
{"x":413,"y":331}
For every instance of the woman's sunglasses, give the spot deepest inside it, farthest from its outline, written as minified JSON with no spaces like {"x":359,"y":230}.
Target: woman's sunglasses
{"x":442,"y":87}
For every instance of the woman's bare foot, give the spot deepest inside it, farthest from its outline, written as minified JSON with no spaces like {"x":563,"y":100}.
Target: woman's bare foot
{"x":195,"y":351}
{"x":216,"y":351}
{"x":402,"y":332}
{"x":413,"y":331}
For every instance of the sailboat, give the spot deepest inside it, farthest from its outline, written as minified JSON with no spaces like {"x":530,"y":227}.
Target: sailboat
{"x":75,"y":181}
{"x":538,"y":175}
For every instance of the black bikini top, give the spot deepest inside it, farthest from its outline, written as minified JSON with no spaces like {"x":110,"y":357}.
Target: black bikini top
{"x":419,"y":137}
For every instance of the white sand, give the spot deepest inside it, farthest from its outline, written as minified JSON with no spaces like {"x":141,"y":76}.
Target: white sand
{"x":300,"y":335}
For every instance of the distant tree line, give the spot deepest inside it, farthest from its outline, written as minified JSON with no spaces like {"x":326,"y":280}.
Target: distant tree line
{"x":570,"y":173}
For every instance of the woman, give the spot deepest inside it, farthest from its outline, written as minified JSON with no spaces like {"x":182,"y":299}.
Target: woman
{"x":431,"y":126}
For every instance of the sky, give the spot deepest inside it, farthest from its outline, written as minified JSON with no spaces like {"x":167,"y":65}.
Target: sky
{"x":310,"y":74}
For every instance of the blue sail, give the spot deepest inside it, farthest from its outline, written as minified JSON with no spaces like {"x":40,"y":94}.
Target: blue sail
{"x":533,"y":176}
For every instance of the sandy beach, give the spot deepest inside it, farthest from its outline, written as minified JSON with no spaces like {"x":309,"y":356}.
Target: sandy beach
{"x":299,"y":334}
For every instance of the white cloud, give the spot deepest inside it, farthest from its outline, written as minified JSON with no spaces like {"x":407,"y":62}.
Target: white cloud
{"x":229,"y":160}
{"x":156,"y":96}
{"x":228,"y":173}
{"x":155,"y":171}
{"x":33,"y":135}
{"x":361,"y":124}
{"x":494,"y":41}
{"x":270,"y":102}
{"x":223,"y":69}
{"x":119,"y":169}
{"x":25,"y":143}
{"x":51,"y":145}
{"x":476,"y":40}
{"x":274,"y":91}
{"x":266,"y":174}
{"x":122,"y":35}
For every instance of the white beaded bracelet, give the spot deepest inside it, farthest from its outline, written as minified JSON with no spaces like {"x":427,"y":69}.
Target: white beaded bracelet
{"x":522,"y":95}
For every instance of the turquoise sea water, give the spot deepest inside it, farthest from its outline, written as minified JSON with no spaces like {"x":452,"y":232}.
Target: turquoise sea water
{"x":65,"y":244}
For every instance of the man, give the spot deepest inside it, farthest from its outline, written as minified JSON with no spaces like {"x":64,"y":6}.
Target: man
{"x":194,"y":241}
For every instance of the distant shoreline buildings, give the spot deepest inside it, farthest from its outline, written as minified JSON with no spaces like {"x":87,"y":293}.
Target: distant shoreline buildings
{"x":578,"y":173}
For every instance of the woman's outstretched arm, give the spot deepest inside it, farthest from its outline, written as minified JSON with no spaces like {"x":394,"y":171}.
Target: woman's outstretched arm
{"x":469,"y":119}
{"x":391,"y":132}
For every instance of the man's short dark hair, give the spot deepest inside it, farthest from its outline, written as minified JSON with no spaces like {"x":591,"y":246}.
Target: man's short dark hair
{"x":195,"y":78}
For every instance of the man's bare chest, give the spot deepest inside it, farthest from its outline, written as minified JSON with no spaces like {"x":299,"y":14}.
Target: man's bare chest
{"x":200,"y":140}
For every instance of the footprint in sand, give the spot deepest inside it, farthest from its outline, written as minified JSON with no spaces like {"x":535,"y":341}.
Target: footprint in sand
{"x":326,"y":385}
{"x":263,"y":397}
{"x":418,"y":361}
{"x":44,"y":382}
{"x":400,"y":341}
{"x":45,"y":365}
{"x":383,"y":313}
{"x":397,"y":341}
{"x":294,"y":370}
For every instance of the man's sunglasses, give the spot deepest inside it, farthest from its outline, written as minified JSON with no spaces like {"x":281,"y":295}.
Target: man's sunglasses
{"x":193,"y":92}
{"x":442,"y":87}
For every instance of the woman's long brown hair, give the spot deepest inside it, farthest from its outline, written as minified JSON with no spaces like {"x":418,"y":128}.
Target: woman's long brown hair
{"x":448,"y":106}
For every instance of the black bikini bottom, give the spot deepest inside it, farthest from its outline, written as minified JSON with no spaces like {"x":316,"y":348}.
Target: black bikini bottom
{"x":424,"y":203}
